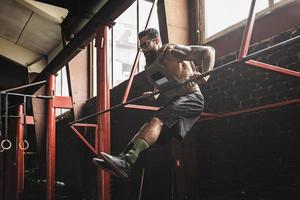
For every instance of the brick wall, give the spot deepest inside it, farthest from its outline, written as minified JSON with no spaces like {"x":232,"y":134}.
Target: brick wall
{"x":252,"y":155}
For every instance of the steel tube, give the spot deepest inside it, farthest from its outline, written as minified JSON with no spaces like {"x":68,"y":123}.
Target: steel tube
{"x":103,"y":102}
{"x":20,"y":152}
{"x":51,"y":145}
{"x":248,"y":31}
{"x":23,"y":86}
{"x":28,"y":95}
{"x":137,"y":58}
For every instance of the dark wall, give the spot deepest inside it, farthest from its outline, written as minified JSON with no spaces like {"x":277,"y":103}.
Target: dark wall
{"x":252,"y":155}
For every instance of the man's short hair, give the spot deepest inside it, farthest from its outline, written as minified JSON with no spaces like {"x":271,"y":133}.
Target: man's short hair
{"x":150,"y":32}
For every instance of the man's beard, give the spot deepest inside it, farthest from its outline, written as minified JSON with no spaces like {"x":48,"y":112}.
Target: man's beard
{"x":150,"y":56}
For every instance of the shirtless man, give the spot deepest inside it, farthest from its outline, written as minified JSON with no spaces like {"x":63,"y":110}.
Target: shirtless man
{"x":166,"y":65}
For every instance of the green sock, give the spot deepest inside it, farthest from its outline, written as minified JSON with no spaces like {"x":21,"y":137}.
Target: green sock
{"x":128,"y":147}
{"x":139,"y":146}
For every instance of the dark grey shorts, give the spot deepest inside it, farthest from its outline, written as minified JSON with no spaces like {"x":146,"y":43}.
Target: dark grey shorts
{"x":184,"y":111}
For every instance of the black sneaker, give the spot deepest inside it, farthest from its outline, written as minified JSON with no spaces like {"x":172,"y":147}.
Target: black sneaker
{"x":118,"y":164}
{"x":99,"y":162}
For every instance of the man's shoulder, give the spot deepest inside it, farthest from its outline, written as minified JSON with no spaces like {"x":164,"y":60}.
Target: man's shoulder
{"x":166,"y":48}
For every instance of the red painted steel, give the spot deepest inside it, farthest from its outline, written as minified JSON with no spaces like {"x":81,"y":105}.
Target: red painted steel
{"x":29,"y":120}
{"x":205,"y":114}
{"x":103,"y":102}
{"x":62,"y":102}
{"x":133,"y":70}
{"x":93,"y":149}
{"x":85,"y":125}
{"x":273,"y":68}
{"x":142,"y":107}
{"x":20,"y":152}
{"x":247,"y":32}
{"x":137,"y":58}
{"x":257,"y":108}
{"x":50,"y":147}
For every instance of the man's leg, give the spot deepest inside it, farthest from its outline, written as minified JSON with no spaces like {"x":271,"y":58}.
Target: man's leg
{"x":147,"y":136}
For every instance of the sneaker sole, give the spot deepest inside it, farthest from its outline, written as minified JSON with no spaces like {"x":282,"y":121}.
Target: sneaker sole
{"x":102,"y":166}
{"x":119,"y":172}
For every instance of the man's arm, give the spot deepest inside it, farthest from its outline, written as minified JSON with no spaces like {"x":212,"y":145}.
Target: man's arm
{"x":203,"y":56}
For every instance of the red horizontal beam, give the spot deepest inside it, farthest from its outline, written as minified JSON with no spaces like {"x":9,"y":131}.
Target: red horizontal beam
{"x":62,"y":102}
{"x":263,"y":107}
{"x":205,"y":114}
{"x":85,"y":125}
{"x":142,"y":107}
{"x":29,"y":120}
{"x":273,"y":68}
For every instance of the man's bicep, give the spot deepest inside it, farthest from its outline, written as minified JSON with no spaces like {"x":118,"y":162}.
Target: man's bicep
{"x":169,"y":56}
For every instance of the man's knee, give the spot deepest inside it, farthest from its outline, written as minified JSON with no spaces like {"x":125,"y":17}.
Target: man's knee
{"x":157,"y":121}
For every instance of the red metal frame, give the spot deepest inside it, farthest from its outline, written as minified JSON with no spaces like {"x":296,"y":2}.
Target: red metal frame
{"x":62,"y":102}
{"x":20,"y":152}
{"x":247,"y":32}
{"x":94,"y":148}
{"x":52,"y":104}
{"x":103,"y":102}
{"x":29,"y":120}
{"x":142,"y":107}
{"x":273,"y":68}
{"x":257,"y":108}
{"x":51,"y":144}
{"x":130,"y":80}
{"x":137,"y":57}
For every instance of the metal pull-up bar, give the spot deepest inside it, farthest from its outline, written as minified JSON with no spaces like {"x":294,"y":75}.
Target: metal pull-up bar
{"x":23,"y":86}
{"x":194,"y":78}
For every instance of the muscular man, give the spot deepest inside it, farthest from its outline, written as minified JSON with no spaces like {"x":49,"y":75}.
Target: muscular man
{"x":166,"y":66}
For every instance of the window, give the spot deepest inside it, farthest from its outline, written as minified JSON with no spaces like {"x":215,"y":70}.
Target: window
{"x":61,"y":88}
{"x":220,"y":15}
{"x":123,"y":40}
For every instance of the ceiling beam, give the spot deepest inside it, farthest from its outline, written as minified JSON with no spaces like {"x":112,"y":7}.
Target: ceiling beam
{"x":47,"y":11}
{"x":110,"y":11}
{"x":21,"y":55}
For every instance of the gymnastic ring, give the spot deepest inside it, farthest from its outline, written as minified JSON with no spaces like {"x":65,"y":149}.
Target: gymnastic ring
{"x":3,"y":144}
{"x":25,"y":145}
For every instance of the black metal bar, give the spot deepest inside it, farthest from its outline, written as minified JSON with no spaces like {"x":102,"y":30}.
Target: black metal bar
{"x":11,"y":116}
{"x":276,"y":46}
{"x":23,"y":86}
{"x":28,"y":95}
{"x":194,"y":78}
{"x":113,"y":108}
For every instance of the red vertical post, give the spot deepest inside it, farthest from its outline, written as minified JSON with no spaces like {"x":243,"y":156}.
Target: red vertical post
{"x":50,"y":147}
{"x":20,"y":152}
{"x":103,"y":102}
{"x":247,"y":32}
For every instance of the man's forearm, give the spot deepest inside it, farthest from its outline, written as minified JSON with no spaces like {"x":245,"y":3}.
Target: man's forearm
{"x":208,"y":60}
